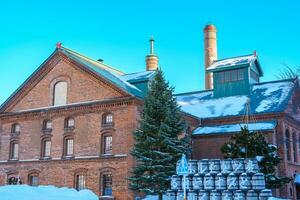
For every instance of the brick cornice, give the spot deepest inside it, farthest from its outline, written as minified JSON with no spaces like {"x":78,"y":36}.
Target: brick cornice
{"x":92,"y":159}
{"x":238,"y":119}
{"x":85,"y":107}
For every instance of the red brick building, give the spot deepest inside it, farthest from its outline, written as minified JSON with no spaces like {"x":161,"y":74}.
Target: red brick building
{"x":71,"y":124}
{"x":234,"y":96}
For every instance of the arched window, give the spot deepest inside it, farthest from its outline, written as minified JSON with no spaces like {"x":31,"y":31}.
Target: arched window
{"x":46,"y":148}
{"x":295,"y":147}
{"x":47,"y":125}
{"x":107,"y":119}
{"x":14,"y":150}
{"x":33,"y":178}
{"x":69,"y":123}
{"x":106,"y":183}
{"x":15,"y":128}
{"x":287,"y":145}
{"x":106,"y":144}
{"x":79,"y":176}
{"x":60,"y":93}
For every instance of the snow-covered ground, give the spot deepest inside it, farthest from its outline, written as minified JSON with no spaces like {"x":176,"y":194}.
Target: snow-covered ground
{"x":25,"y":192}
{"x":154,"y":197}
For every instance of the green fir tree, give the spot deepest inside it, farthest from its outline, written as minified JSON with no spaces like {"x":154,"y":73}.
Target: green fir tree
{"x":254,"y":145}
{"x":159,"y":142}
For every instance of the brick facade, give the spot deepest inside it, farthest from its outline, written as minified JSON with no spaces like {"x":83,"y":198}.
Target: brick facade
{"x":208,"y":146}
{"x":33,"y":105}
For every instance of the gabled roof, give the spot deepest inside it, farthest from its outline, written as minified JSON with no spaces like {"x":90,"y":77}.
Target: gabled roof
{"x":235,"y":62}
{"x":268,"y":97}
{"x":110,"y":74}
{"x":234,"y":128}
{"x":138,"y":76}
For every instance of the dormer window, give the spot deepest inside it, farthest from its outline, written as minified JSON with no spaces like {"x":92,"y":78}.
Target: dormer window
{"x":47,"y":125}
{"x":69,"y":123}
{"x":15,"y":128}
{"x":107,"y":119}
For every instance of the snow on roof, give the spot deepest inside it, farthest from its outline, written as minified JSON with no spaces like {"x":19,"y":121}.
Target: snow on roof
{"x":229,"y":62}
{"x":109,"y":73}
{"x":264,"y":98}
{"x":25,"y":192}
{"x":231,"y":128}
{"x":138,"y":76}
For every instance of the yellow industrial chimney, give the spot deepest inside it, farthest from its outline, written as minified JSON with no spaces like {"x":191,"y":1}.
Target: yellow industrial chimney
{"x":151,"y":59}
{"x":210,"y":49}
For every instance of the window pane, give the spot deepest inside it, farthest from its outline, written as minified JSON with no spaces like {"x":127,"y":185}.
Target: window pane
{"x":240,"y":74}
{"x":34,"y":181}
{"x":47,"y":148}
{"x":48,"y":125}
{"x":17,"y":128}
{"x":234,"y":75}
{"x":108,"y":145}
{"x":69,"y":146}
{"x":60,"y":93}
{"x":287,"y":144}
{"x":15,"y":149}
{"x":80,"y":182}
{"x":71,"y":123}
{"x":107,"y":185}
{"x":109,"y":118}
{"x":227,"y":76}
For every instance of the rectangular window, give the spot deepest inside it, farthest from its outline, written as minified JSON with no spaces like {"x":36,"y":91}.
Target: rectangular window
{"x":80,"y":181}
{"x":48,"y":125}
{"x":107,"y":185}
{"x":47,"y":148}
{"x":234,"y":75}
{"x":227,"y":76}
{"x":34,"y":180}
{"x":71,"y":123}
{"x":107,"y":144}
{"x":221,"y":77}
{"x":69,"y":144}
{"x":240,"y":74}
{"x":15,"y":151}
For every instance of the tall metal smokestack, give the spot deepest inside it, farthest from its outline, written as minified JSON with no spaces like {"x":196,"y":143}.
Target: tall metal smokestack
{"x":210,"y":48}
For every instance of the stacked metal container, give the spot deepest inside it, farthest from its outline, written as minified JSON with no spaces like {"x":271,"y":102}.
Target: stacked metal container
{"x":229,"y":179}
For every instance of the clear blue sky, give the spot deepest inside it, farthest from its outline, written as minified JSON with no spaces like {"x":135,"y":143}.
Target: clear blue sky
{"x":118,"y":32}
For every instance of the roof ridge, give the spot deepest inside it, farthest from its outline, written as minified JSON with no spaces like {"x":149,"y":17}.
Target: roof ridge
{"x":276,"y":81}
{"x":233,"y":57}
{"x":194,"y":92}
{"x":95,"y":62}
{"x":137,"y":72}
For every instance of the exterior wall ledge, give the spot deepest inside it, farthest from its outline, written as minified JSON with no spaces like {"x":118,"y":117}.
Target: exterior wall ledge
{"x":76,"y":158}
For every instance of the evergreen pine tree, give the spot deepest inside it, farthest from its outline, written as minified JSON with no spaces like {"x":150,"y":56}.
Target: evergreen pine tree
{"x":158,"y":144}
{"x":254,"y":145}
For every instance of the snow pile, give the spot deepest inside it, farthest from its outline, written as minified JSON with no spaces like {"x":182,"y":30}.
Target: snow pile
{"x":25,"y":192}
{"x":230,"y":128}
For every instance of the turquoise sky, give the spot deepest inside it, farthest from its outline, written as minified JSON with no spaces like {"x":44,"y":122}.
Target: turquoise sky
{"x":118,"y":32}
